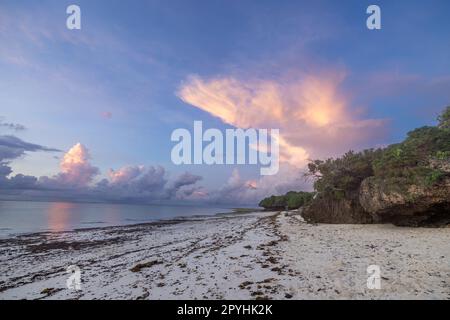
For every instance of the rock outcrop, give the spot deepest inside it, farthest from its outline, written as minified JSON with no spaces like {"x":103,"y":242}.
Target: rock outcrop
{"x":330,"y":210}
{"x":415,"y":205}
{"x":406,"y":183}
{"x":389,"y":200}
{"x":382,"y":201}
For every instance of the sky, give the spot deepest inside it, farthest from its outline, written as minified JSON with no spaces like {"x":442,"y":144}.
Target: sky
{"x":88,"y":114}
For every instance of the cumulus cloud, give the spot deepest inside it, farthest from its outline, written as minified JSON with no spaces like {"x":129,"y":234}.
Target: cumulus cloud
{"x":137,"y":183}
{"x":242,"y":191}
{"x":75,"y":167}
{"x":77,"y":180}
{"x":146,"y":183}
{"x":76,"y":170}
{"x":183,"y":187}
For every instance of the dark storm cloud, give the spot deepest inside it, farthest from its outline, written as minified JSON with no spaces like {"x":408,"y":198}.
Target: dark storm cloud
{"x":12,"y":147}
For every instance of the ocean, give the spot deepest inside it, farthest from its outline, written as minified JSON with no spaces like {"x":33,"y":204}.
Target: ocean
{"x":18,"y":217}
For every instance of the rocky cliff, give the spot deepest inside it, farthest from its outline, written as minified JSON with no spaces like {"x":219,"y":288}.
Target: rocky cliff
{"x":379,"y":202}
{"x":407,"y":204}
{"x":326,"y":209}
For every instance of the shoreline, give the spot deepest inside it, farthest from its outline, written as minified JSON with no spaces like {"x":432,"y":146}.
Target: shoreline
{"x":259,"y":255}
{"x":233,"y":211}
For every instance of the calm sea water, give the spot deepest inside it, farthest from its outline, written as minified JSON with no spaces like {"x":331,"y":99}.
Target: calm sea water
{"x":28,"y":216}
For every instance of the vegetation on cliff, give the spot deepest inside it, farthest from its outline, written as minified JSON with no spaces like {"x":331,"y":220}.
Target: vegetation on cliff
{"x":406,"y":183}
{"x":414,"y":161}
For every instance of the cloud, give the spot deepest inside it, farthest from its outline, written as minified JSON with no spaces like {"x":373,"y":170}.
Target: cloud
{"x":76,"y":170}
{"x":4,"y":170}
{"x":133,"y":183}
{"x":312,"y":112}
{"x":19,"y":181}
{"x":146,"y":183}
{"x":183,"y":188}
{"x":242,"y":191}
{"x":76,"y":181}
{"x":185,"y":179}
{"x":125,"y":174}
{"x":12,"y":126}
{"x":106,"y":115}
{"x":12,"y":148}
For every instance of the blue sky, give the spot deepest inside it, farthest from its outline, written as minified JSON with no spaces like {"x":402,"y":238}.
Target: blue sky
{"x":114,"y":85}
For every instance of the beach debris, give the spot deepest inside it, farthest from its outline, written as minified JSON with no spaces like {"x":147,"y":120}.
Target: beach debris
{"x":245,"y":284}
{"x":272,"y":260}
{"x":49,"y":291}
{"x":144,"y":296}
{"x":141,"y":266}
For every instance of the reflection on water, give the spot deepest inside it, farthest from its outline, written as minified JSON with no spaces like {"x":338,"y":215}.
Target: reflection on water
{"x":32,"y":216}
{"x":58,"y":215}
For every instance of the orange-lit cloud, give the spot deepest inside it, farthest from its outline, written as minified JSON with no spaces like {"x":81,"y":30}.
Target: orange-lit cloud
{"x":312,"y":112}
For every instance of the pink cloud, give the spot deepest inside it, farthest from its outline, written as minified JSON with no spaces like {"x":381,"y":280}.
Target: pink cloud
{"x":125,"y":174}
{"x":241,"y":191}
{"x":312,"y":112}
{"x":76,"y":169}
{"x":107,"y":114}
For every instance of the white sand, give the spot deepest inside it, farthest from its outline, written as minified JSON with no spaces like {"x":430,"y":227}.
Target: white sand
{"x":260,"y":255}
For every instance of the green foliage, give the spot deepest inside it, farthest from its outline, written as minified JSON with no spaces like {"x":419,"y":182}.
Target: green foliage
{"x":412,"y":162}
{"x":433,"y":177}
{"x":343,"y":175}
{"x":442,"y":155}
{"x":273,"y":202}
{"x":444,"y":119}
{"x":291,"y":200}
{"x":408,"y":161}
{"x":295,"y":200}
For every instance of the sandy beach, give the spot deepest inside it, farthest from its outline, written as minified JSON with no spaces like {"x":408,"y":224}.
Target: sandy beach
{"x":261,"y":255}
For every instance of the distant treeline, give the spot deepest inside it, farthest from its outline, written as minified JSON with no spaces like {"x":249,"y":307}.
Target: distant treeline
{"x":291,"y":200}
